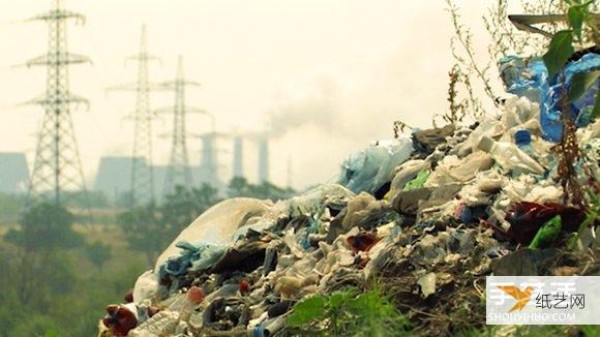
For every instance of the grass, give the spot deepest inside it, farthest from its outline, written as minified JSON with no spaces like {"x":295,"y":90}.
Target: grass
{"x":531,"y":331}
{"x":348,"y":312}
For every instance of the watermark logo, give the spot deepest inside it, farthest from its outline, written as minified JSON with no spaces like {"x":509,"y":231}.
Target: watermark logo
{"x":540,"y":300}
{"x":522,"y":296}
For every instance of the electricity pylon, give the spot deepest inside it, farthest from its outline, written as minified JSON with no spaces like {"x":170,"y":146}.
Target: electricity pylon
{"x":178,"y":171}
{"x":57,"y":165}
{"x":142,"y":176}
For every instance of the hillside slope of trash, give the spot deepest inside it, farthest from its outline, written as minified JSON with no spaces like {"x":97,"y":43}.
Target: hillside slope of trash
{"x":427,"y":216}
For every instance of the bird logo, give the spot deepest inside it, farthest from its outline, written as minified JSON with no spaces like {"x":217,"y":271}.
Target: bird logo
{"x":522,"y":296}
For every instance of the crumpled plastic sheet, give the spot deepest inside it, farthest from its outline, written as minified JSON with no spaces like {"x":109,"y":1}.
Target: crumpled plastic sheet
{"x":524,"y":77}
{"x":316,"y":199}
{"x":365,"y":212}
{"x":454,"y":170}
{"x":490,"y":127}
{"x":373,"y":167}
{"x":527,"y":188}
{"x":145,"y":287}
{"x":584,"y":136}
{"x":520,"y":112}
{"x":219,"y":223}
{"x":164,"y":323}
{"x":194,"y":257}
{"x":426,"y":141}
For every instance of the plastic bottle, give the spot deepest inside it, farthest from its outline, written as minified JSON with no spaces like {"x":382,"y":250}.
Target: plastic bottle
{"x":523,"y":141}
{"x":509,"y":156}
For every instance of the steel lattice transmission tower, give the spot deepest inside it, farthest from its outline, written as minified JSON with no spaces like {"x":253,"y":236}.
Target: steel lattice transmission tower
{"x":57,"y":165}
{"x":142,"y":176}
{"x":178,"y":171}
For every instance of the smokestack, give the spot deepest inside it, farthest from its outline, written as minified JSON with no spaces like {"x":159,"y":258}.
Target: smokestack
{"x":238,"y":164}
{"x":208,"y":166}
{"x":263,"y":159}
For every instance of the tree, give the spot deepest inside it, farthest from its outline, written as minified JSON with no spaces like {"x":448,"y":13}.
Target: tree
{"x":98,"y":253}
{"x":184,"y":205}
{"x":240,"y":187}
{"x":46,"y":227}
{"x":10,"y":207}
{"x":45,"y":233}
{"x":205,"y":196}
{"x":143,"y":230}
{"x":266,"y":190}
{"x":151,"y":228}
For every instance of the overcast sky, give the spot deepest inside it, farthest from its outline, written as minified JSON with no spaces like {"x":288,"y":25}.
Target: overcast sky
{"x":329,"y":76}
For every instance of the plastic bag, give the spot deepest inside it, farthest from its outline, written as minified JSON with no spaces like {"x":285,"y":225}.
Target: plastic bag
{"x":373,"y":167}
{"x":218,"y":224}
{"x":581,"y":108}
{"x":524,"y":77}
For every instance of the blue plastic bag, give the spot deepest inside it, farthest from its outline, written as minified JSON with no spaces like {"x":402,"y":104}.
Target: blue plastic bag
{"x":530,"y":79}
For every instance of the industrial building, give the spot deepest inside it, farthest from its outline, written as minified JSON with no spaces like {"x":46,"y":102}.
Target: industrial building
{"x":14,"y":172}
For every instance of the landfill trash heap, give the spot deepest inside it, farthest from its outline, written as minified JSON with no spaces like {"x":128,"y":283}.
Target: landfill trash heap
{"x":426,"y":215}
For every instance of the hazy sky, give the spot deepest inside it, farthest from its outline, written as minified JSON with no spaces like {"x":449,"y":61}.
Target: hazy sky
{"x":330,"y":76}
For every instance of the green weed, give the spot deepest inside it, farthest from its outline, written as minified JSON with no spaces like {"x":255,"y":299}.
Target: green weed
{"x":348,"y":313}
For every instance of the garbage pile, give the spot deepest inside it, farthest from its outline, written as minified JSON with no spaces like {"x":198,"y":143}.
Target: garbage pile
{"x":427,"y":215}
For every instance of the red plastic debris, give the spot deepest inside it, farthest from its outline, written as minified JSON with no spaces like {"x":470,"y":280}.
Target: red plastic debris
{"x":244,"y":287}
{"x":119,"y":320}
{"x":526,"y":218}
{"x":195,"y":295}
{"x":362,"y":241}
